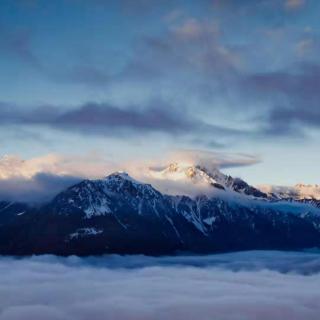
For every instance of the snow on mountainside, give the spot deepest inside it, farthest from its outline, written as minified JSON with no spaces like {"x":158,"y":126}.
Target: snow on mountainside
{"x":202,"y":180}
{"x":119,"y":214}
{"x":105,"y":196}
{"x":298,"y":192}
{"x":96,"y":197}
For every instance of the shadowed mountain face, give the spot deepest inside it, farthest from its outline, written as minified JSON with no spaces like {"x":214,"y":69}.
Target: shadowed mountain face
{"x":121,"y":215}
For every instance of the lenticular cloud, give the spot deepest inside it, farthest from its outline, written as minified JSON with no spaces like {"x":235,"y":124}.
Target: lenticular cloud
{"x":244,"y":286}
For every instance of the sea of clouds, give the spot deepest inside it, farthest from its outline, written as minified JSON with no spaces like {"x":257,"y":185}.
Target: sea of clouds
{"x":242,"y":286}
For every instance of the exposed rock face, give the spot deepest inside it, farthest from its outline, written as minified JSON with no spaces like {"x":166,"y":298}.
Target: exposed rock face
{"x":121,"y":215}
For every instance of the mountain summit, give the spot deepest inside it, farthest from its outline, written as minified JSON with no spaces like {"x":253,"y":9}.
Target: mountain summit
{"x":206,"y":180}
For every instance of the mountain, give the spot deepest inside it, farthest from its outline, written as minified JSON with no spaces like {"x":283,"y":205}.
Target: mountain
{"x":212,"y":179}
{"x":119,"y":214}
{"x":297,"y":192}
{"x":305,"y":193}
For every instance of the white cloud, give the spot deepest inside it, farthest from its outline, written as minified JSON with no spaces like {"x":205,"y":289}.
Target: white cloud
{"x":269,"y":285}
{"x":299,"y":191}
{"x":13,"y":166}
{"x":149,"y":171}
{"x":95,"y":166}
{"x":89,"y":165}
{"x":211,"y":159}
{"x":42,"y":177}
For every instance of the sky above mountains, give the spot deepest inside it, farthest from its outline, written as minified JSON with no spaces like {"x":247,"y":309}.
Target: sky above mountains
{"x":123,"y":81}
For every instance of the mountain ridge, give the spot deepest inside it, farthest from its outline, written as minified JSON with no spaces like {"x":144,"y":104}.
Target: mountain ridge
{"x":119,"y":214}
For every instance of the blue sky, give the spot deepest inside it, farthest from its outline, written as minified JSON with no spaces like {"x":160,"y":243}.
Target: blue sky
{"x":137,"y":79}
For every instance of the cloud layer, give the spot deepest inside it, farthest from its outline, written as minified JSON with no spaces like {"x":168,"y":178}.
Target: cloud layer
{"x":41,"y":178}
{"x":256,"y":285}
{"x":189,"y":78}
{"x":105,"y":119}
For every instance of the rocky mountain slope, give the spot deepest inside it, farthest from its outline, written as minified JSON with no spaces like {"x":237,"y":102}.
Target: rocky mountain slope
{"x":118,"y":214}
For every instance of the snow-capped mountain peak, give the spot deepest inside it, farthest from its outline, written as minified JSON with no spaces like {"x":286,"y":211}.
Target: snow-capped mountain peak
{"x":298,"y":192}
{"x":187,"y":172}
{"x":210,"y":179}
{"x":119,"y":176}
{"x":94,"y":196}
